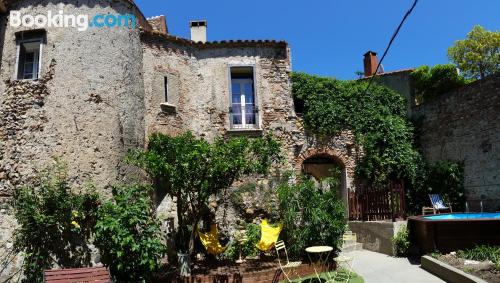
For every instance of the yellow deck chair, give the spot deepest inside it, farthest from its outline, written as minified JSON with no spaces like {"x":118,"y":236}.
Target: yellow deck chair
{"x":269,"y":236}
{"x":211,"y":240}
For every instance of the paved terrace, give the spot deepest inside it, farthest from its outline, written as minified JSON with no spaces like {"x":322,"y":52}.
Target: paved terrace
{"x":380,"y":268}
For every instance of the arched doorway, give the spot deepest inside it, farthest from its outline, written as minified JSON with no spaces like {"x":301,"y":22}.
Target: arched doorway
{"x":327,"y":169}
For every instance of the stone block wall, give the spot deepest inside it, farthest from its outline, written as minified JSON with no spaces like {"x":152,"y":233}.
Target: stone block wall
{"x":198,"y":89}
{"x":464,"y":126}
{"x":87,"y":109}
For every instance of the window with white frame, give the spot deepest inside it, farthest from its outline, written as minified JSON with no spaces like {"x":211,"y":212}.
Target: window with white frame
{"x":243,"y":103}
{"x":29,"y":59}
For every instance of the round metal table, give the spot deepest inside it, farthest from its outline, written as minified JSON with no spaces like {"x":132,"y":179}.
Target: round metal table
{"x":322,"y":253}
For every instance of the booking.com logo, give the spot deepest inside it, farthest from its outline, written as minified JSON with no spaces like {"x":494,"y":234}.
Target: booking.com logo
{"x":82,"y":22}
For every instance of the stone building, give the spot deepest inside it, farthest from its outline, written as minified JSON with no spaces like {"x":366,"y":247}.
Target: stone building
{"x":87,"y":97}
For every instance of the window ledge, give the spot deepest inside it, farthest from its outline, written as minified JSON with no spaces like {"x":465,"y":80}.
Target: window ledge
{"x":28,"y":80}
{"x":168,"y":108}
{"x":244,"y":132}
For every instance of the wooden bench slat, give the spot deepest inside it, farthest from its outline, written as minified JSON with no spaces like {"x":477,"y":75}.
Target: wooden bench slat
{"x":80,"y":275}
{"x":79,"y":280}
{"x":77,"y":277}
{"x":75,"y":270}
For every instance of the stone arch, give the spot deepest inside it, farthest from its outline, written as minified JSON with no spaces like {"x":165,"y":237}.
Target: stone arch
{"x":345,"y":161}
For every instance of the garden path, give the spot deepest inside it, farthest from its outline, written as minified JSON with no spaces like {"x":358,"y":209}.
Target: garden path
{"x":380,"y":268}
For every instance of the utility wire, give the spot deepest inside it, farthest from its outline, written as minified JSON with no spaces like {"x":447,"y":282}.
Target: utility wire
{"x":390,"y":43}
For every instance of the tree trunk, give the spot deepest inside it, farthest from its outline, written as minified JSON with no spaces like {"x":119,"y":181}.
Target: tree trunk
{"x":194,"y":232}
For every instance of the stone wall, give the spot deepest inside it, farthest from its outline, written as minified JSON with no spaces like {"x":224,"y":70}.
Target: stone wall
{"x":464,"y":126}
{"x":86,"y":110}
{"x":376,"y":236}
{"x":93,"y":103}
{"x":199,"y":100}
{"x":400,"y":82}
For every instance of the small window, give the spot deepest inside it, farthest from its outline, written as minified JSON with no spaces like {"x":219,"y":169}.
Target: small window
{"x":165,"y":88}
{"x":243,"y":103}
{"x":29,"y":59}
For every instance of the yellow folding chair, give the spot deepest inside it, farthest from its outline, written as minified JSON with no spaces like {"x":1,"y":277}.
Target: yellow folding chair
{"x":269,"y":236}
{"x":211,"y":242}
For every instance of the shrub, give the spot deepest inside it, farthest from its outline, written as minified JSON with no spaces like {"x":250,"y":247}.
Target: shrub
{"x":482,"y":253}
{"x":447,"y":179}
{"x":432,"y":82}
{"x":253,"y":237}
{"x":231,"y":252}
{"x":311,"y":216}
{"x":401,"y":243}
{"x":55,"y":224}
{"x":443,"y":177}
{"x":128,"y":235}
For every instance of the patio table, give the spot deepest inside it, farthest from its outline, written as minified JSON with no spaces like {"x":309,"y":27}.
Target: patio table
{"x":322,"y":253}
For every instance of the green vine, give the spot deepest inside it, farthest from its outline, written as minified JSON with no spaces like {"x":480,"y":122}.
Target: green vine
{"x":376,"y":117}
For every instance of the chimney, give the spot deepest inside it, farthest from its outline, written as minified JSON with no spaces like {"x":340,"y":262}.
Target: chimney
{"x":159,"y":24}
{"x":198,"y":31}
{"x":370,"y":63}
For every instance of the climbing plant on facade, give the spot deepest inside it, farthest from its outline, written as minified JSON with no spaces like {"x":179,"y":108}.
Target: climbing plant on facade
{"x":377,"y":117}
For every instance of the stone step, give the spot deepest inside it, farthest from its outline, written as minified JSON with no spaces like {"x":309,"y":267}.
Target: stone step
{"x":350,"y":242}
{"x":351,"y":247}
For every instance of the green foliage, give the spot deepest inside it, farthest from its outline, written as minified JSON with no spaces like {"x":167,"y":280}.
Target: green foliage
{"x":482,"y":253}
{"x":55,"y":224}
{"x":232,"y":252}
{"x":377,"y":118}
{"x":447,"y":179}
{"x":401,"y":242}
{"x":128,"y":235}
{"x":443,"y":177}
{"x":192,"y":169}
{"x":341,"y":277}
{"x":311,"y":216}
{"x":433,"y":82}
{"x":479,"y":55}
{"x":253,"y":237}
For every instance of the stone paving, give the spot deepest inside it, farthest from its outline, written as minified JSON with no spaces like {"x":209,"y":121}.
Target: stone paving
{"x":380,"y":268}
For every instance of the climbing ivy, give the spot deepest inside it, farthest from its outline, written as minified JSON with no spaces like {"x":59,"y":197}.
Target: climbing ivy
{"x":377,"y":118}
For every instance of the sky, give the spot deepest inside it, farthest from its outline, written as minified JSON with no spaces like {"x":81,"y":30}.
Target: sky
{"x":329,"y":37}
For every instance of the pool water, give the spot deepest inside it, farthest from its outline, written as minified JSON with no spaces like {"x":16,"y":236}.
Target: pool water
{"x":452,"y":216}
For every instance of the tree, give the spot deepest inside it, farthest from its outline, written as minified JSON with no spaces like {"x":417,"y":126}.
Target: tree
{"x":127,"y":234}
{"x":191,"y":170}
{"x":479,"y":54}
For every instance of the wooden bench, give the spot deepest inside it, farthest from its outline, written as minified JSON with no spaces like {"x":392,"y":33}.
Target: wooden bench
{"x":77,"y":275}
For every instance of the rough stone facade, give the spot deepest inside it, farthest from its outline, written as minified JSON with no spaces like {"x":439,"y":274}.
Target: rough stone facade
{"x":199,"y":99}
{"x":101,"y":92}
{"x":464,"y":126}
{"x":87,"y":109}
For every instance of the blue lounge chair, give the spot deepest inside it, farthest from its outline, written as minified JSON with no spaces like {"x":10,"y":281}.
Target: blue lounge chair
{"x":438,"y":205}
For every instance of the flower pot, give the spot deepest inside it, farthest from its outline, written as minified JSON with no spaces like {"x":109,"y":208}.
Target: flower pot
{"x":184,"y":265}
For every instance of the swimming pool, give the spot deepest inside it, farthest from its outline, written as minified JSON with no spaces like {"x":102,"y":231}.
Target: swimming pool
{"x":452,"y":216}
{"x":454,"y":231}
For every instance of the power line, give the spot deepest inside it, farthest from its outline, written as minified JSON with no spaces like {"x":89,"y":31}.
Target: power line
{"x":390,"y":43}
